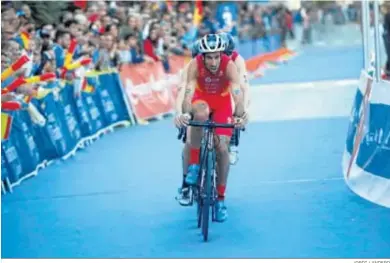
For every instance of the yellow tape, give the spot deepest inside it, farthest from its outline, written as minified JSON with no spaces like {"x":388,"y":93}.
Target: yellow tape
{"x":6,"y":73}
{"x":94,"y":73}
{"x":32,"y":80}
{"x":73,"y":65}
{"x":68,"y":60}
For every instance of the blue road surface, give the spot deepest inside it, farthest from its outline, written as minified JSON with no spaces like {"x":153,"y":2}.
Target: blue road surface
{"x":286,"y":196}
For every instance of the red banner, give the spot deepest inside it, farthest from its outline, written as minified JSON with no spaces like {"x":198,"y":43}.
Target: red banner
{"x":148,"y":90}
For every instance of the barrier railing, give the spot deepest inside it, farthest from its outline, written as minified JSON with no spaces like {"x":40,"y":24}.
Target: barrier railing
{"x":109,"y":99}
{"x":366,"y":160}
{"x":72,"y":122}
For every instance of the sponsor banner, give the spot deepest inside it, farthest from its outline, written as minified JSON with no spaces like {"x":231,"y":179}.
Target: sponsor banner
{"x":148,"y":90}
{"x":69,"y":118}
{"x":366,"y":161}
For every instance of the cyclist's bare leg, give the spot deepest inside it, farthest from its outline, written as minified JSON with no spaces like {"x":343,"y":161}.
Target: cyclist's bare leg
{"x":186,"y":156}
{"x":201,"y":112}
{"x":223,"y":163}
{"x":191,"y":150}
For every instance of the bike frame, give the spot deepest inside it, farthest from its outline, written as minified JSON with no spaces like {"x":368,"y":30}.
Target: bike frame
{"x":205,"y":191}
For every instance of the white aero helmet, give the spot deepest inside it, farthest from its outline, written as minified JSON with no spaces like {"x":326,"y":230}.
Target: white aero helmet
{"x":211,"y":43}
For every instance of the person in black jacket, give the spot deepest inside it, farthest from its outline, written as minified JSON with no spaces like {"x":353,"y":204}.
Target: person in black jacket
{"x":386,"y":38}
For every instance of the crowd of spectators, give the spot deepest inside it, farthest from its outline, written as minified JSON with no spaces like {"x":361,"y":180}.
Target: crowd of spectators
{"x":113,"y":33}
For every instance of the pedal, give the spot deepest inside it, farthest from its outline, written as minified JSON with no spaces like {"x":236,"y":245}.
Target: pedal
{"x":185,"y":199}
{"x":233,"y":157}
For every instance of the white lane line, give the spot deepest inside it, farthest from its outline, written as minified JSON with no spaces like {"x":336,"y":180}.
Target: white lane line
{"x":307,"y":85}
{"x":298,"y":181}
{"x":293,"y":101}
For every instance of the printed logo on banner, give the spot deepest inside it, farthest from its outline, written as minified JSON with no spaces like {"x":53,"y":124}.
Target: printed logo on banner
{"x":85,"y":124}
{"x":54,"y":124}
{"x":31,"y":143}
{"x":24,"y":142}
{"x":378,"y":138}
{"x":56,"y":134}
{"x":164,"y":95}
{"x":94,"y":113}
{"x":103,"y":98}
{"x":72,"y":123}
{"x":148,"y":92}
{"x":5,"y":170}
{"x":374,"y":150}
{"x":12,"y":157}
{"x":108,"y":106}
{"x":67,"y":98}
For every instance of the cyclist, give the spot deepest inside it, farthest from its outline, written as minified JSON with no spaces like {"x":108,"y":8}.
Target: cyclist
{"x":241,"y":67}
{"x":212,"y":81}
{"x":239,"y":61}
{"x":184,"y":197}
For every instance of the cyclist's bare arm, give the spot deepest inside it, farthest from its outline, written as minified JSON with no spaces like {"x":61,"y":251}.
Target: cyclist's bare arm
{"x":241,"y":67}
{"x":237,"y":94}
{"x":190,"y":86}
{"x":181,"y":90}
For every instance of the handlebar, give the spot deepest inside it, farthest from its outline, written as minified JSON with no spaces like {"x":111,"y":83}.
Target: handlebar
{"x":210,"y":124}
{"x":206,"y":124}
{"x":182,"y":132}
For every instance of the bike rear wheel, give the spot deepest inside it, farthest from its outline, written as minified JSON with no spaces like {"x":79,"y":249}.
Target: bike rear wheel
{"x":199,"y":186}
{"x":199,"y":209}
{"x":207,"y":199}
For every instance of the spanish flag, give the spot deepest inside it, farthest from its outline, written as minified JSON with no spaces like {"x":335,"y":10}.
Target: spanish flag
{"x":27,"y":99}
{"x":41,"y":78}
{"x":14,"y":85}
{"x":198,"y":13}
{"x":78,"y":63}
{"x":70,"y":52}
{"x":87,"y":87}
{"x":11,"y":105}
{"x":6,"y":123}
{"x":14,"y":67}
{"x":25,"y":37}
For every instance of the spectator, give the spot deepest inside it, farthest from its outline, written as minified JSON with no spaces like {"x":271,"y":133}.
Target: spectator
{"x":290,"y":24}
{"x":282,"y":23}
{"x":105,"y":52}
{"x":136,"y":55}
{"x":9,"y":22}
{"x":150,"y":45}
{"x":73,"y":27}
{"x":386,"y":38}
{"x":305,"y":14}
{"x":62,"y":42}
{"x":112,"y":29}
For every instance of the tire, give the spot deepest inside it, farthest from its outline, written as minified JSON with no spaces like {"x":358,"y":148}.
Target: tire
{"x":207,"y":198}
{"x":199,"y":215}
{"x":199,"y":196}
{"x":199,"y":210}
